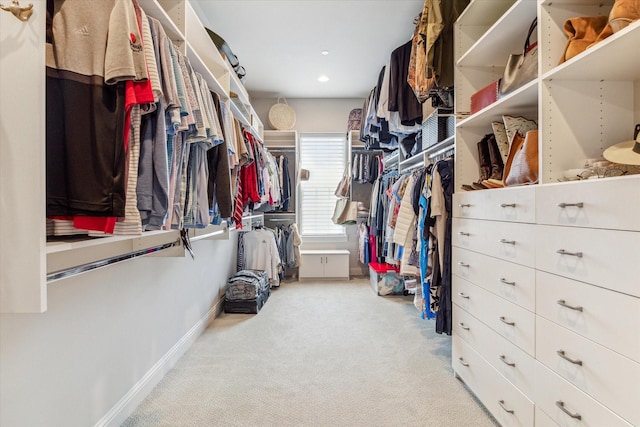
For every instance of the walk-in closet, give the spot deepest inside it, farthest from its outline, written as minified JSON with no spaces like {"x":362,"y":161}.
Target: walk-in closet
{"x":319,"y":213}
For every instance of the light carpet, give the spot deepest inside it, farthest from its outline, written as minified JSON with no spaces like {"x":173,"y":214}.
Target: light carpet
{"x":317,"y":354}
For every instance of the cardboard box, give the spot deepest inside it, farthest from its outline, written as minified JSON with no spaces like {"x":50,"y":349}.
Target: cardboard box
{"x":485,"y":97}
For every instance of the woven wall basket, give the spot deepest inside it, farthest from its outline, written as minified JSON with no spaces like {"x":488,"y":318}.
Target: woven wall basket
{"x":282,"y":116}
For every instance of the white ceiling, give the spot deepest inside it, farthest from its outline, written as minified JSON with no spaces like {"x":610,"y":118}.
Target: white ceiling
{"x":279,"y":42}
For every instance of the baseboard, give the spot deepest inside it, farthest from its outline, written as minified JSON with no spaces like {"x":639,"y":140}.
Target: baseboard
{"x":130,"y":401}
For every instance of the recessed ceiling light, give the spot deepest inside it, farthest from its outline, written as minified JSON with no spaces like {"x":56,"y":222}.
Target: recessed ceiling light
{"x":325,"y":52}
{"x":323,"y":79}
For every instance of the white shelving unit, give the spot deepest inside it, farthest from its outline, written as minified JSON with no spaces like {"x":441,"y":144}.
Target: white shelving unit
{"x":529,"y":265}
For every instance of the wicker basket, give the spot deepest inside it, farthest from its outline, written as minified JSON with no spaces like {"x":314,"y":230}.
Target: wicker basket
{"x":282,"y":116}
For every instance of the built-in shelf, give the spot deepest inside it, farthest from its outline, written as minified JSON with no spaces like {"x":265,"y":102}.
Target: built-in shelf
{"x":493,"y":48}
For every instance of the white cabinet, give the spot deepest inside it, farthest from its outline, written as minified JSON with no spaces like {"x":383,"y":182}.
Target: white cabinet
{"x":327,"y":264}
{"x":582,"y":271}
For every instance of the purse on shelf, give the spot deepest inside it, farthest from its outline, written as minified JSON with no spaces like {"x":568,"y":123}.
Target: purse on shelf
{"x":522,"y":164}
{"x":582,"y":32}
{"x":345,"y":212}
{"x":343,"y":190}
{"x":522,"y":67}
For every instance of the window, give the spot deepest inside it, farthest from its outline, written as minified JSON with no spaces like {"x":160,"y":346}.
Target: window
{"x":324,"y":155}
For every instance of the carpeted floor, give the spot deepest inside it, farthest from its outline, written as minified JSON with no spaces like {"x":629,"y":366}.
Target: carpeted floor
{"x":318,"y":354}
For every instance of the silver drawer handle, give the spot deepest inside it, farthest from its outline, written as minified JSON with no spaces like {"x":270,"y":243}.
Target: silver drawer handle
{"x":462,"y":264}
{"x":565,"y":357}
{"x":572,"y":307}
{"x":463,"y":295}
{"x":462,"y":362}
{"x":506,"y":362}
{"x":566,"y":205}
{"x":463,"y":326}
{"x":560,"y":404}
{"x":465,"y":205}
{"x":507,"y":205}
{"x":506,"y":322}
{"x":563,"y":252}
{"x":462,"y":233}
{"x":506,"y":282}
{"x":507,"y":410}
{"x":508,"y":242}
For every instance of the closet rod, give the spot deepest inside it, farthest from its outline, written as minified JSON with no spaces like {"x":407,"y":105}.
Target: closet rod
{"x":108,"y":261}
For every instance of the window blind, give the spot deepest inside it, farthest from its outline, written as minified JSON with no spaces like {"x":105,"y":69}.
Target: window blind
{"x":324,"y":155}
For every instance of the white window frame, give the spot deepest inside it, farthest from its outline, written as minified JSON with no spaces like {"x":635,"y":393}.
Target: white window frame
{"x":318,"y":171}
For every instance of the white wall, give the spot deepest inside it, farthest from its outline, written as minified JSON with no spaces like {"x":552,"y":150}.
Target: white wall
{"x":103,"y":332}
{"x":321,"y":115}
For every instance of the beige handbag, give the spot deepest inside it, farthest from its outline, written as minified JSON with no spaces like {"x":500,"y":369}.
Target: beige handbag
{"x":521,"y":68}
{"x":345,"y":212}
{"x":343,"y":190}
{"x":282,"y":116}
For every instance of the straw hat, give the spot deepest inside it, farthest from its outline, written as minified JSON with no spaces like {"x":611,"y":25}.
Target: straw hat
{"x":625,"y":153}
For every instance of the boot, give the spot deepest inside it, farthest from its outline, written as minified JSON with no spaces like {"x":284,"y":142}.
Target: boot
{"x":497,"y":165}
{"x":623,"y":13}
{"x":484,"y":159}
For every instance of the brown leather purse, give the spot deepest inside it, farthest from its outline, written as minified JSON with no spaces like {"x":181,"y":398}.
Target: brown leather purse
{"x":522,"y":163}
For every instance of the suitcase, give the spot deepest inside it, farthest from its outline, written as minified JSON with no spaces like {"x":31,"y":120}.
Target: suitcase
{"x":247,"y":291}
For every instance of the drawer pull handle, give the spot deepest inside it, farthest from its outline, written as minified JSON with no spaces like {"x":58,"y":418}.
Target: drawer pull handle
{"x":465,"y":205}
{"x":560,"y":404}
{"x":567,"y":358}
{"x":508,"y":242}
{"x":572,"y":307}
{"x":506,"y":322}
{"x":507,"y":410}
{"x":462,"y":233}
{"x":507,"y":205}
{"x":463,"y":295}
{"x":462,"y":362}
{"x":462,"y":264}
{"x":563,"y":252}
{"x":566,"y":205}
{"x":506,"y":362}
{"x":506,"y":282}
{"x":463,"y":326}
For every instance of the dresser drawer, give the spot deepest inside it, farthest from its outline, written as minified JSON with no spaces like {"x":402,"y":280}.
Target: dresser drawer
{"x":510,"y":321}
{"x":505,"y":204}
{"x":605,"y":258}
{"x":603,"y":374}
{"x":609,"y":203}
{"x":513,"y":282}
{"x":606,"y":317}
{"x":510,"y":361}
{"x":564,"y":402}
{"x":505,"y":240}
{"x":542,"y":419}
{"x":505,"y":402}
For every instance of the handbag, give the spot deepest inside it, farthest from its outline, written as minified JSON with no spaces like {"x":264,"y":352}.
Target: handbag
{"x":522,"y":67}
{"x":583,"y":32}
{"x":343,"y":190}
{"x":522,"y":164}
{"x":345,"y":212}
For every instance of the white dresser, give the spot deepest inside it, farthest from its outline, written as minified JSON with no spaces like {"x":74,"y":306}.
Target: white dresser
{"x":546,"y":278}
{"x":546,"y":294}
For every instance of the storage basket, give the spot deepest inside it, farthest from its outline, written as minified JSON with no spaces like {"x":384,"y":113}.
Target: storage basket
{"x":440,"y":125}
{"x":282,"y":116}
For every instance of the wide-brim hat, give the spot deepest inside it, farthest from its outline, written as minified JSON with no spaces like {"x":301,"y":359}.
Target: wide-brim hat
{"x":624,"y":153}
